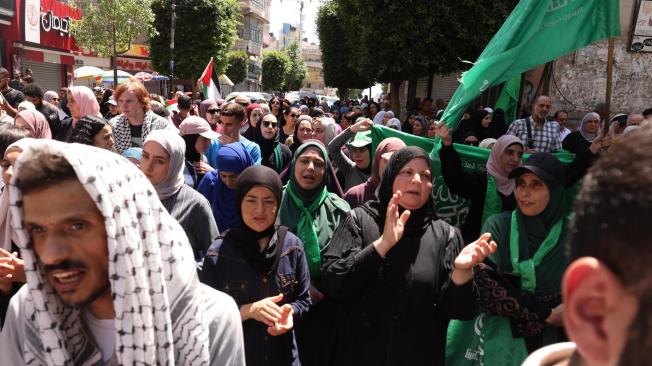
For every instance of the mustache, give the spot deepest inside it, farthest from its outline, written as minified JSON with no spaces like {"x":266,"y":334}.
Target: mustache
{"x":67,"y":264}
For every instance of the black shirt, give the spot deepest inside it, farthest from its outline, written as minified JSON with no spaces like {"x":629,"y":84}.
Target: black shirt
{"x":13,"y":97}
{"x":136,"y":135}
{"x":51,"y":114}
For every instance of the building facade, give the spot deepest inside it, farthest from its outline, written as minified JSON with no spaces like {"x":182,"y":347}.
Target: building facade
{"x":251,"y":36}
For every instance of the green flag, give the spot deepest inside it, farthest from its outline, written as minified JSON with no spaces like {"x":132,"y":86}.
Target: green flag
{"x":450,"y":207}
{"x":508,"y":98}
{"x":536,"y":32}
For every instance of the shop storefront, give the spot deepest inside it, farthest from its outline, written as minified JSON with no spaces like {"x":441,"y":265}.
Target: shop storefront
{"x":39,"y":38}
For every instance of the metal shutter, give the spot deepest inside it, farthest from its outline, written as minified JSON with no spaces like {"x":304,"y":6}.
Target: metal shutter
{"x":443,"y":87}
{"x":422,"y":89}
{"x":46,"y":75}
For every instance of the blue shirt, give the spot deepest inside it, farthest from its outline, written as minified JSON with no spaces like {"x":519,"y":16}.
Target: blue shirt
{"x":252,"y":148}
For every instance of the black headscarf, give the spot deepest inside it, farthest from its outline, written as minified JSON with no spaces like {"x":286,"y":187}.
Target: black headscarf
{"x":242,"y":236}
{"x":476,"y":125}
{"x":266,"y":146}
{"x":419,"y":218}
{"x":498,"y":126}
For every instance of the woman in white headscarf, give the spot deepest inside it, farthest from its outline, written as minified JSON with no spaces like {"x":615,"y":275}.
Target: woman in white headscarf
{"x":579,"y":141}
{"x":162,"y":162}
{"x":162,"y":314}
{"x":379,"y":118}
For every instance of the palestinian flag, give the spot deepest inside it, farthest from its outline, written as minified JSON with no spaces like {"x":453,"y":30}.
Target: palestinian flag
{"x":209,"y":83}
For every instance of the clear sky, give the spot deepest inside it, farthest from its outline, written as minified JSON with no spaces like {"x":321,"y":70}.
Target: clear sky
{"x":287,"y":11}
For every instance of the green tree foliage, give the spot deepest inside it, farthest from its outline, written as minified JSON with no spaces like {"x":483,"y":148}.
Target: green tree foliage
{"x":298,"y":71}
{"x":276,"y":65}
{"x":109,"y":26}
{"x":391,"y":41}
{"x":237,"y":66}
{"x":204,"y":29}
{"x":336,"y":52}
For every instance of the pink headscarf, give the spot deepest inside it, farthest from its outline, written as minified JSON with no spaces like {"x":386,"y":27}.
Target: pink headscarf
{"x":86,"y":100}
{"x":366,"y":191}
{"x":37,"y":124}
{"x":504,"y":185}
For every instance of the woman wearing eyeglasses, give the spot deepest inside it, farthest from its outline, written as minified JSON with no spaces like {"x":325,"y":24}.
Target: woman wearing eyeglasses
{"x":273,"y":153}
{"x":210,"y":111}
{"x":287,"y":129}
{"x":276,"y":108}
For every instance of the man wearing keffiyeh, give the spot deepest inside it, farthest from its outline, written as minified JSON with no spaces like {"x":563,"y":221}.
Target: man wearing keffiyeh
{"x":111,"y":277}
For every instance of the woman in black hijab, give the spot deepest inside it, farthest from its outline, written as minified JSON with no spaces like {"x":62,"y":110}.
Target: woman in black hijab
{"x":273,"y":154}
{"x":263,"y":267}
{"x":390,"y":263}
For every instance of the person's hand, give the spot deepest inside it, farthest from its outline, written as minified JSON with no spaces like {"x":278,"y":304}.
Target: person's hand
{"x":266,"y":311}
{"x":601,"y":142}
{"x":394,"y":226}
{"x":285,"y":323}
{"x":444,"y":132}
{"x":202,"y":168}
{"x":316,"y":296}
{"x":470,"y":256}
{"x":193,"y":110}
{"x":11,"y":267}
{"x":364,"y":125}
{"x":556,"y":317}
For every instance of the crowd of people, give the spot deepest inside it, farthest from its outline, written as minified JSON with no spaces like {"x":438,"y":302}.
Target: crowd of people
{"x":280,"y":233}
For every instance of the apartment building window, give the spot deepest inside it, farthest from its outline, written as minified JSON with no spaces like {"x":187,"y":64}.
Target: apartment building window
{"x":260,"y":3}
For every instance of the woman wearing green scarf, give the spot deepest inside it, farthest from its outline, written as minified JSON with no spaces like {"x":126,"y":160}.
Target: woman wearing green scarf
{"x":313,"y":213}
{"x":519,"y":285}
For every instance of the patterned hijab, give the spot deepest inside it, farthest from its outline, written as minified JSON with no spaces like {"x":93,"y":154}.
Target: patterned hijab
{"x":37,"y":124}
{"x":176,"y":148}
{"x":158,"y":325}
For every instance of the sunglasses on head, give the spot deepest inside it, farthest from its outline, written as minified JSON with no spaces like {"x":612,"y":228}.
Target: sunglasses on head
{"x":213,"y":111}
{"x":269,"y":124}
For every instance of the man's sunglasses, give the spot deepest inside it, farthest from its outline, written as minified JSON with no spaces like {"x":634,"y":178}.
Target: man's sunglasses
{"x":213,"y":111}
{"x":269,"y":124}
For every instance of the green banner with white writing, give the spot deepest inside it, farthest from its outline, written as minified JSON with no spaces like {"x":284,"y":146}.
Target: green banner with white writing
{"x":537,"y":31}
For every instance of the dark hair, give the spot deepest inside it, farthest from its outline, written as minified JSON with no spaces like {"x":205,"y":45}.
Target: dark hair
{"x":614,"y":208}
{"x":10,"y":135}
{"x":33,"y":90}
{"x":235,"y":110}
{"x":43,"y":171}
{"x":556,"y":115}
{"x":28,"y":80}
{"x":647,"y":112}
{"x":352,"y":116}
{"x":183,"y":102}
{"x":86,"y":129}
{"x":4,"y":73}
{"x":158,"y":109}
{"x":191,"y":154}
{"x":316,"y":112}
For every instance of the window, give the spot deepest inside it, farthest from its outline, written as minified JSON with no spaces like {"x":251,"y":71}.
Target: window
{"x":260,"y":3}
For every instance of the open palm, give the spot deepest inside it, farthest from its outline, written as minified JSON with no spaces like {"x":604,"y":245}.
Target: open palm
{"x":475,"y":253}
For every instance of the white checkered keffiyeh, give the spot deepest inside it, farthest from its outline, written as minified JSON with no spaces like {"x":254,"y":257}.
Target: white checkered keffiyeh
{"x":151,"y":272}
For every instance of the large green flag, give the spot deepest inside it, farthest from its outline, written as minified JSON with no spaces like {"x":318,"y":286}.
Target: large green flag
{"x":537,"y":31}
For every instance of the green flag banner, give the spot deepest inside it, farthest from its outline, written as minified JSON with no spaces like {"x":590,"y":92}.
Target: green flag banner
{"x":508,"y":98}
{"x":537,"y":31}
{"x":450,"y":207}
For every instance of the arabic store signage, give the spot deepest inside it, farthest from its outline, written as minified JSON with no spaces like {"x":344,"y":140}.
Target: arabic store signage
{"x":48,"y":23}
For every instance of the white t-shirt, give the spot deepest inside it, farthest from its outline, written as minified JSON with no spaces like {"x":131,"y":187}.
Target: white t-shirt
{"x":103,"y":331}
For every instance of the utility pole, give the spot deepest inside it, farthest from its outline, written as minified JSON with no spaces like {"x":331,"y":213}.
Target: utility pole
{"x":172,"y":25}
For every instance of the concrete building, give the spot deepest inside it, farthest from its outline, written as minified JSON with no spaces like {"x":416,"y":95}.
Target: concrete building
{"x":251,"y":33}
{"x":315,"y":81}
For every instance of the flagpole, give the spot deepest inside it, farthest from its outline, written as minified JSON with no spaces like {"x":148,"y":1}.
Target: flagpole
{"x":610,"y":67}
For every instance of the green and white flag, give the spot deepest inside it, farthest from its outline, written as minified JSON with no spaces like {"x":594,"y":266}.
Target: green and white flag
{"x":537,"y":31}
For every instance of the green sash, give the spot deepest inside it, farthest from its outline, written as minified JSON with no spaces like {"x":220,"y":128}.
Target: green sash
{"x":526,"y":269}
{"x":492,"y":202}
{"x":278,"y":158}
{"x":305,"y":230}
